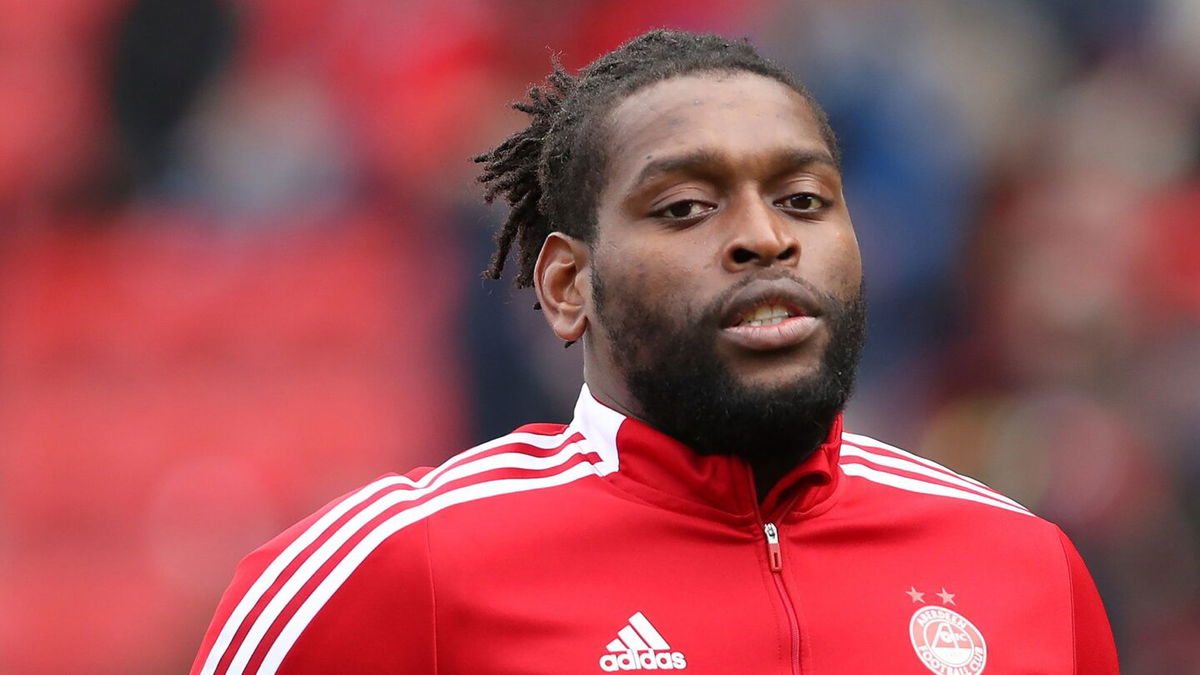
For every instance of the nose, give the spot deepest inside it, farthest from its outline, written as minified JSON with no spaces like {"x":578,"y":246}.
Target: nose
{"x":759,"y":236}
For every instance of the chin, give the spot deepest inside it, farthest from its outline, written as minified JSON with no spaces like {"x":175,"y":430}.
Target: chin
{"x":768,"y":378}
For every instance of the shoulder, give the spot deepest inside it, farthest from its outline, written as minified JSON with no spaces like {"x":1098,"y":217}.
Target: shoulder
{"x":890,"y":472}
{"x":954,"y":529}
{"x":391,"y":511}
{"x":345,"y":556}
{"x":931,"y":508}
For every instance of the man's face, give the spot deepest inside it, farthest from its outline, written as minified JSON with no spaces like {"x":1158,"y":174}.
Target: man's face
{"x":726,"y":279}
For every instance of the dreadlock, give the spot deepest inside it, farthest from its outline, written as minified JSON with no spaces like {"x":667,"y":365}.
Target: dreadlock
{"x":551,"y":172}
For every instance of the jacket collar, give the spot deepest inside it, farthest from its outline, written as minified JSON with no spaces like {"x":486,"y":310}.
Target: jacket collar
{"x":658,"y":468}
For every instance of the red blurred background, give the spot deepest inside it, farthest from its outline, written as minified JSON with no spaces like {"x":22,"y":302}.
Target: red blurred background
{"x":240,"y":245}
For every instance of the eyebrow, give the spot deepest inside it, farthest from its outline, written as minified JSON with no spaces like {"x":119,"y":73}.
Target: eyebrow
{"x":698,"y":161}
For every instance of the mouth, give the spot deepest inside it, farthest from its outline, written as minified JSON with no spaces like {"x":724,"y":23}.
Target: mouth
{"x":771,"y":315}
{"x":768,"y":314}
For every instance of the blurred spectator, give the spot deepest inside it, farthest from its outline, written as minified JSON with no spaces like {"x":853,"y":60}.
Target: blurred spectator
{"x":166,"y":52}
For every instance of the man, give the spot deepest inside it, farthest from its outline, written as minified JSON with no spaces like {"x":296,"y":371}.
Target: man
{"x":678,"y":208}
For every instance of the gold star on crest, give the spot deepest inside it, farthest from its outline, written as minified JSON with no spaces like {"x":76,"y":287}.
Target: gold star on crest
{"x":917,"y":596}
{"x":947,"y":598}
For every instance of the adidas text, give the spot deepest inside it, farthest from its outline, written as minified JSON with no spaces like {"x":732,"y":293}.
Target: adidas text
{"x":648,"y":660}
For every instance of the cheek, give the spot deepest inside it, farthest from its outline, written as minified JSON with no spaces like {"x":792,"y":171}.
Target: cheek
{"x":852,"y":268}
{"x":658,"y":285}
{"x":648,"y":267}
{"x":841,"y":263}
{"x":679,"y":284}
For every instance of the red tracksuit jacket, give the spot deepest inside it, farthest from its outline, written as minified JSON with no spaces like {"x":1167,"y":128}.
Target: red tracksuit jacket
{"x":606,"y":546}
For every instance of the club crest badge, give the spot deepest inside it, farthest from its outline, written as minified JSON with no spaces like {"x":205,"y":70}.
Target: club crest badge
{"x":946,"y":641}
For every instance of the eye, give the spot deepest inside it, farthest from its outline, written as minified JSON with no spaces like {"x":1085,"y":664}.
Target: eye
{"x":682,"y":210}
{"x":803,"y":201}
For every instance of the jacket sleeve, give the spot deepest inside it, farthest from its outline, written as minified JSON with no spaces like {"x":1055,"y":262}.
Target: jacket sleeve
{"x":329,"y":595}
{"x":1095,"y":651}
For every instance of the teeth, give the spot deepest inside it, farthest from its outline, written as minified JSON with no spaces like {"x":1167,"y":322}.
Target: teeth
{"x":767,"y":315}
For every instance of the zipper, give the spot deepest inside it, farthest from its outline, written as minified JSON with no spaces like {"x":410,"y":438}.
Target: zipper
{"x":773,"y":553}
{"x":775,"y":561}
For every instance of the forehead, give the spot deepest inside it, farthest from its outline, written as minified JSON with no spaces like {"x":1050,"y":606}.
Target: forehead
{"x":737,"y":115}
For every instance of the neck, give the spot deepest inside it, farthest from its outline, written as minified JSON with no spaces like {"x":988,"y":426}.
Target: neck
{"x":773,"y":434}
{"x":604,"y":387}
{"x":770,"y":468}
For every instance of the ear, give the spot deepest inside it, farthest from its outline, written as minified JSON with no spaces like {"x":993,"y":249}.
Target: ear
{"x":561,"y":281}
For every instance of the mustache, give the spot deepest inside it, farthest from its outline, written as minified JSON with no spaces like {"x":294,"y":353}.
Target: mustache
{"x":828,"y":303}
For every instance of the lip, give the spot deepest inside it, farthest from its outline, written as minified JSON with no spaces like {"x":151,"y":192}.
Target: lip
{"x":786,"y":333}
{"x":790,"y":332}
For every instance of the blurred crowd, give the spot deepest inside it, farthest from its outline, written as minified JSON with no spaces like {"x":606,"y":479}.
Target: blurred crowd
{"x":240,"y":246}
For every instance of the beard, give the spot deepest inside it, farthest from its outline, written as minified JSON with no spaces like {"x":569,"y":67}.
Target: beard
{"x":686,"y":390}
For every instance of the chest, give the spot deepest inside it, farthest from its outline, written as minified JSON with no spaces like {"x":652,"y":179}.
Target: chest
{"x":676,"y":594}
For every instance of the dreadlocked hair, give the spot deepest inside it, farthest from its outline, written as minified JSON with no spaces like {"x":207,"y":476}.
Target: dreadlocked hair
{"x":551,"y":172}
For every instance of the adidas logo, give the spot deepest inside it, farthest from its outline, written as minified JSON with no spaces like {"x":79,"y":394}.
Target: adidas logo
{"x":640,"y":647}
